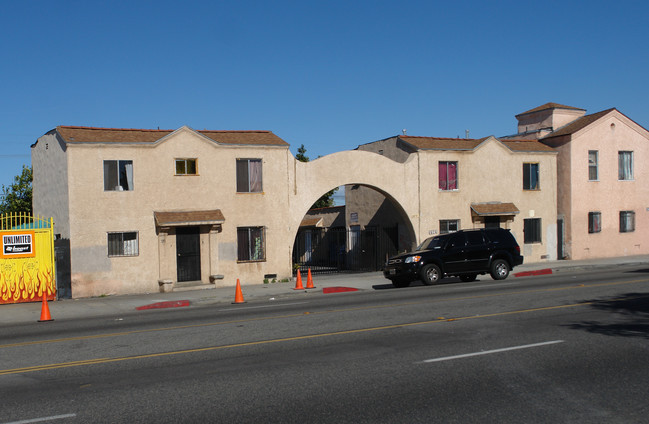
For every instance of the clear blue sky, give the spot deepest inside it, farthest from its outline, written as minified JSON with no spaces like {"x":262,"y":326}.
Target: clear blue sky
{"x":329,"y":74}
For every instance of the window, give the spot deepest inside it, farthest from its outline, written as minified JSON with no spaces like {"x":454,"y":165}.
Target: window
{"x":532,"y":230}
{"x":593,"y":165}
{"x":448,"y":175}
{"x":530,"y":176}
{"x":118,"y":175}
{"x":627,"y":221}
{"x":625,"y":165}
{"x":250,"y":244}
{"x":123,"y":244}
{"x":594,"y":222}
{"x":448,"y":225}
{"x":249,"y":176}
{"x":186,"y":167}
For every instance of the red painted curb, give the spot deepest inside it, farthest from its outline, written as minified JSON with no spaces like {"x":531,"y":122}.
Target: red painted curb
{"x":160,"y":305}
{"x":338,"y":289}
{"x":537,"y":272}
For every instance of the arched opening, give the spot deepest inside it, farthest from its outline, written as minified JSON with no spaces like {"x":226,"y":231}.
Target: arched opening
{"x":358,"y":233}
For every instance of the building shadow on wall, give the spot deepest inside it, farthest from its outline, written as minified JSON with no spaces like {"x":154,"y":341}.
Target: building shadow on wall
{"x":629,"y":316}
{"x":63,"y":268}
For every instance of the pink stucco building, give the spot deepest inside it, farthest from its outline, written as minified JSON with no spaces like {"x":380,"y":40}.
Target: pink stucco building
{"x":603,"y":196}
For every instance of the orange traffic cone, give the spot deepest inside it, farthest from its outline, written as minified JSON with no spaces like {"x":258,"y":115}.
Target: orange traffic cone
{"x":309,"y":281}
{"x":45,"y":309}
{"x":298,"y":283}
{"x":238,"y":295}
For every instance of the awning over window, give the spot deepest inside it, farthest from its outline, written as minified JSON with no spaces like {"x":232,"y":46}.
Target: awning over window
{"x":311,"y":222}
{"x":185,"y":218}
{"x":493,"y":209}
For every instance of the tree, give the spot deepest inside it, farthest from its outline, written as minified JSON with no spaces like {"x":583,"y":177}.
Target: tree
{"x":327,"y":199}
{"x":18,"y":196}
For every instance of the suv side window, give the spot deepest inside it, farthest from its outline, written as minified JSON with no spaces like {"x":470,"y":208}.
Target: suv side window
{"x":456,"y":240}
{"x":474,"y":238}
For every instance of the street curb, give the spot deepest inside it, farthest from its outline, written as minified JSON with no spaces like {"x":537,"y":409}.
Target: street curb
{"x":544,"y":271}
{"x":338,"y":289}
{"x":162,"y":305}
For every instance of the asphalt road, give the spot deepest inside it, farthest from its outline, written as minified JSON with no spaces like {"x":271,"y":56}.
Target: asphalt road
{"x":569,"y":347}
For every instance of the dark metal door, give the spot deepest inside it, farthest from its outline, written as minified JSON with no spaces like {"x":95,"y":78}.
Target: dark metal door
{"x":188,"y":253}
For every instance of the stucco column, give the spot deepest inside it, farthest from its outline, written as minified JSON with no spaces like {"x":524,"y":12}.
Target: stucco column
{"x":165,"y":273}
{"x":214,"y":253}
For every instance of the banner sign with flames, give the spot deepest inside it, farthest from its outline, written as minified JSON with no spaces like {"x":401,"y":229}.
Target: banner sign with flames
{"x":26,"y":260}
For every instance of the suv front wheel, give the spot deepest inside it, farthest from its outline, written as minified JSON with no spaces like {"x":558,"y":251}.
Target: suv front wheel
{"x":430,"y":274}
{"x":499,"y":269}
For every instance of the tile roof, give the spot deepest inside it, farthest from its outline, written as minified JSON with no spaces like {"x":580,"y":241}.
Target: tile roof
{"x":494,"y":208}
{"x":549,"y":106}
{"x":577,"y":124}
{"x":434,"y":143}
{"x":179,"y":218}
{"x":437,"y":143}
{"x":311,"y":222}
{"x":126,"y":135}
{"x":526,"y":146}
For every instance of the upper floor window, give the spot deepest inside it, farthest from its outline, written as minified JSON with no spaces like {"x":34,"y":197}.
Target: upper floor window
{"x":186,"y":167}
{"x":448,"y":225}
{"x":594,"y":222}
{"x":250,"y":244}
{"x":249,"y":179}
{"x":118,"y":175}
{"x":447,"y":175}
{"x":532,"y":230}
{"x":625,"y":165}
{"x":593,"y":165}
{"x":530,"y":176}
{"x":123,"y":244}
{"x":627,"y":221}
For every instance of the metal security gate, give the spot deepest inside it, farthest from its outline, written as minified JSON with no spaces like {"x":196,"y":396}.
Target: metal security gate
{"x":332,"y":250}
{"x":188,"y":254}
{"x":27,"y":268}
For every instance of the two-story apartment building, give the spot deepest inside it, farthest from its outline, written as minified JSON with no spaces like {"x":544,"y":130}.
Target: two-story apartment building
{"x":603,"y":196}
{"x":470,"y":183}
{"x":136,"y":210}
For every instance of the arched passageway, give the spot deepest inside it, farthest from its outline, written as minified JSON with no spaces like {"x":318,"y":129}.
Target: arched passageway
{"x":338,"y":238}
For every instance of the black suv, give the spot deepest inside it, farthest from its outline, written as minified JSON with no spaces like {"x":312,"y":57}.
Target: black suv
{"x":465,"y":253}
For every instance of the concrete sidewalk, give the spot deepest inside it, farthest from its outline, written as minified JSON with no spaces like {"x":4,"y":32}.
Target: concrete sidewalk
{"x":114,"y":306}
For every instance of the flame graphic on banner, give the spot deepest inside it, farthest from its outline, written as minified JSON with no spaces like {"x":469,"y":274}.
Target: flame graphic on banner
{"x":22,"y":286}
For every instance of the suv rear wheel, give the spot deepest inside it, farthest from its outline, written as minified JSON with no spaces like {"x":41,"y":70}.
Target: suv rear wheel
{"x":499,"y":269}
{"x":430,"y":274}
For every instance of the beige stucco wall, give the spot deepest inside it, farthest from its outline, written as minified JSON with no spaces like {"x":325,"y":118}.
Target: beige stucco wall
{"x":289,"y":188}
{"x":490,"y":173}
{"x":609,"y":196}
{"x":94,"y":212}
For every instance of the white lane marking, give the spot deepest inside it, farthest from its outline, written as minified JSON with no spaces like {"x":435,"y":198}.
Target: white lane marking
{"x":488,"y":352}
{"x":43,"y":419}
{"x":263,"y":306}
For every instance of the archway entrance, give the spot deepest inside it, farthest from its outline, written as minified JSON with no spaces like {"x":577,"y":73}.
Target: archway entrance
{"x":355,"y":236}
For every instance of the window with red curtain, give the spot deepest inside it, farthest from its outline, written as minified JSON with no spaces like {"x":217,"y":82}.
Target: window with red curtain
{"x":447,"y":175}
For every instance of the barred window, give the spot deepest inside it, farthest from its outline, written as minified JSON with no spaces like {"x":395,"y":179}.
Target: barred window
{"x":448,"y":225}
{"x":532,"y":230}
{"x":250,"y":244}
{"x":123,"y":244}
{"x":627,"y":221}
{"x":594,"y":222}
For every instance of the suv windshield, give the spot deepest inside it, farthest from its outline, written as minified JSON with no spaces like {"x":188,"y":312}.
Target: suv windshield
{"x":431,"y":243}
